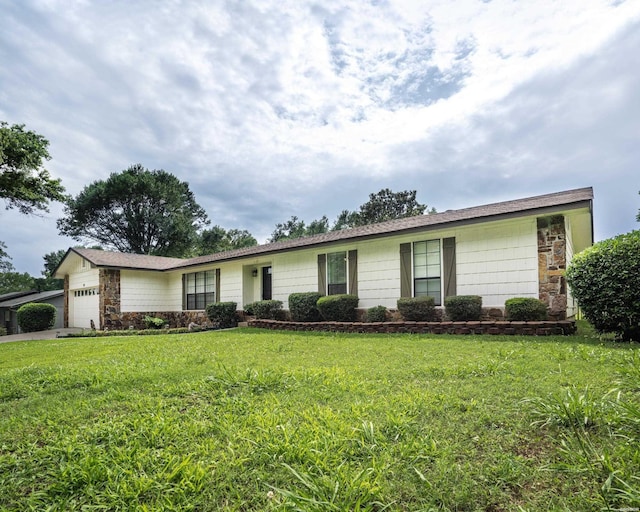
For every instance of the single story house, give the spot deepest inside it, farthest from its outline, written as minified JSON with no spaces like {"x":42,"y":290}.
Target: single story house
{"x":11,"y":302}
{"x":516,"y":248}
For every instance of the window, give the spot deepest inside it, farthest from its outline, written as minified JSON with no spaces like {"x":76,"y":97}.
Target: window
{"x":199,"y":289}
{"x":427,"y":270}
{"x":336,"y":273}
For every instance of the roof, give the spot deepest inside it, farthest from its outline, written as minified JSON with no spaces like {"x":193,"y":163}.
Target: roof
{"x":33,"y":296}
{"x":571,"y":199}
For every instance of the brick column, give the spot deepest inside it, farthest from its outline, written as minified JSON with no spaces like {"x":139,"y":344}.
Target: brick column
{"x":552,"y":262}
{"x":110,"y":299}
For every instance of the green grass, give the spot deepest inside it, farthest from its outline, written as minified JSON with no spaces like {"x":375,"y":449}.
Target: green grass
{"x":258,"y":420}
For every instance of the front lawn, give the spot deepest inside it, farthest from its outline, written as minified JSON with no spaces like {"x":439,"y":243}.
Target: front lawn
{"x":245,"y":419}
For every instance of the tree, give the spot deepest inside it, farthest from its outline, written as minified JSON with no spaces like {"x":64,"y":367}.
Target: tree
{"x":296,"y":228}
{"x":51,"y":262}
{"x":605,"y":280}
{"x":136,"y":211}
{"x":5,"y":259}
{"x":217,"y":239}
{"x":24,"y":184}
{"x":16,"y":282}
{"x":382,"y":206}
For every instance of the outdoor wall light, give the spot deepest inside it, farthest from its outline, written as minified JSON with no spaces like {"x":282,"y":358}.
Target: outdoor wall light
{"x":254,"y":272}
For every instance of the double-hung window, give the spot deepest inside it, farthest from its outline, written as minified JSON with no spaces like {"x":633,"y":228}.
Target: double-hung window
{"x":427,"y":270}
{"x":199,"y":289}
{"x":336,"y":273}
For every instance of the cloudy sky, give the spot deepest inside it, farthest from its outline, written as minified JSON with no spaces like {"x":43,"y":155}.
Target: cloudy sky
{"x":275,"y":108}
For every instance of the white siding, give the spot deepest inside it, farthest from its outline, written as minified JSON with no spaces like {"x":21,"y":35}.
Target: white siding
{"x":83,"y":294}
{"x":150,"y":291}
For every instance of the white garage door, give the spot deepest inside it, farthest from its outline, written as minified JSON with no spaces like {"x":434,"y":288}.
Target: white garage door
{"x":84,"y":306}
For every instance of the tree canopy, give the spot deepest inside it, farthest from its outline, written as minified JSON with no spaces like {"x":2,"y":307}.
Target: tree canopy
{"x":381,"y":206}
{"x":24,"y":183}
{"x":217,"y":239}
{"x":136,"y":211}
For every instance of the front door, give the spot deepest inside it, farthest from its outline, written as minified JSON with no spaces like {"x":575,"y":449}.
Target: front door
{"x":266,"y":283}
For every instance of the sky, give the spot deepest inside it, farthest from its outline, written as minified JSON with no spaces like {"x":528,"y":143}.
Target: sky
{"x":275,"y":108}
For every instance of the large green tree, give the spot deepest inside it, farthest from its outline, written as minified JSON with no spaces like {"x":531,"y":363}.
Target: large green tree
{"x":24,"y":183}
{"x":296,"y":228}
{"x":136,"y":211}
{"x":217,"y":239}
{"x":382,"y":206}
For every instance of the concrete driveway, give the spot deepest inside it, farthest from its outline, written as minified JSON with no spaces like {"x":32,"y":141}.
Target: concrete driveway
{"x":39,"y":335}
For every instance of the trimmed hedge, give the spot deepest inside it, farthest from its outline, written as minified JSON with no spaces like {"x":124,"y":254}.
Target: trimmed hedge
{"x":303,"y":307}
{"x":223,"y":313}
{"x":268,"y":309}
{"x":338,"y":308}
{"x":525,"y":309}
{"x":463,"y":308}
{"x":417,"y":309}
{"x":36,"y":316}
{"x":376,"y":314}
{"x":152,"y":322}
{"x":605,"y":280}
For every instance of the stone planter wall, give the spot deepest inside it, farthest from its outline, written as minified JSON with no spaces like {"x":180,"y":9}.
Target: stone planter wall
{"x":562,"y":327}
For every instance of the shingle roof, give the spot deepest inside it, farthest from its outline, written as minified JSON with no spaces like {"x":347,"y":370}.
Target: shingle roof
{"x":565,"y":200}
{"x":34,"y":296}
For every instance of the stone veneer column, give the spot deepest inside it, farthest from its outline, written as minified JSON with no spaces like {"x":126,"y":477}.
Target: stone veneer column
{"x":552,"y":262}
{"x":110,"y":299}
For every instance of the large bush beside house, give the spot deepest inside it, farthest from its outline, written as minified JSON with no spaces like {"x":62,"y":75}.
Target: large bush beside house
{"x":417,"y":309}
{"x":463,"y":308}
{"x":525,"y":309}
{"x":223,"y":314}
{"x":36,"y":317}
{"x":338,"y":308}
{"x":303,"y":307}
{"x":268,"y":309}
{"x":605,"y":280}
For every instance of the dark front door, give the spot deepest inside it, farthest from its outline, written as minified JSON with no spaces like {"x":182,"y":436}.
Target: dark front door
{"x":266,"y":283}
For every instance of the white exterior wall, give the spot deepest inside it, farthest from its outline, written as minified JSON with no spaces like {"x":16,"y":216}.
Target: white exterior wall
{"x":498,"y":261}
{"x":150,"y":291}
{"x":84,"y":306}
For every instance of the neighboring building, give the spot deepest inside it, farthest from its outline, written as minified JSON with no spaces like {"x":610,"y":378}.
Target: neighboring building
{"x":11,"y":302}
{"x":510,"y":249}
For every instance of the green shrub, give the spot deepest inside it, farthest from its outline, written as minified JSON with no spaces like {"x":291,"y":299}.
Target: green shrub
{"x":303,"y":307}
{"x":248,"y":309}
{"x":338,"y":308}
{"x":605,"y":280}
{"x":417,"y":309}
{"x":36,"y":316}
{"x":268,"y":309}
{"x":152,"y":322}
{"x":376,"y":314}
{"x":525,"y":309}
{"x":3,"y":331}
{"x":463,"y":308}
{"x":223,"y":314}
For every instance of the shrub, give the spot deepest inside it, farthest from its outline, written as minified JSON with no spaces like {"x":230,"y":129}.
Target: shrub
{"x":605,"y":280}
{"x":3,"y":331}
{"x":268,"y":309}
{"x":223,"y":313}
{"x":463,"y":308}
{"x":417,"y":309}
{"x":36,"y":316}
{"x":376,"y":314}
{"x":303,"y":307}
{"x":248,"y":309}
{"x":525,"y":309}
{"x":152,"y":322}
{"x":338,"y":308}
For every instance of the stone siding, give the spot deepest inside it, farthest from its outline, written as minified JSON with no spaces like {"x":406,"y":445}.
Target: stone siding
{"x":552,"y":264}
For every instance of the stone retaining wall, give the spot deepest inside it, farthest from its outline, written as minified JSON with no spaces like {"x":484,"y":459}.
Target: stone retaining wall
{"x":563,"y":327}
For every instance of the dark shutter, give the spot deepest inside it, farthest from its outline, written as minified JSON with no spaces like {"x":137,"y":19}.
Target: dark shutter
{"x":353,"y":272}
{"x":217,"y":297}
{"x":449,"y":271}
{"x":405,"y":270}
{"x":322,"y":274}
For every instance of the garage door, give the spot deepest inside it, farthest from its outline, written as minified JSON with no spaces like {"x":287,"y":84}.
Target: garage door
{"x":84,"y":306}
